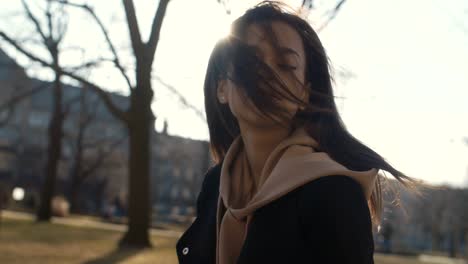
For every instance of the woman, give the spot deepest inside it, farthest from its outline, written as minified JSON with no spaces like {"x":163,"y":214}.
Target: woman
{"x":290,"y":183}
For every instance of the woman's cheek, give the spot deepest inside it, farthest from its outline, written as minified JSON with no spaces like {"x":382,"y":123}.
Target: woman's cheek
{"x":247,"y":110}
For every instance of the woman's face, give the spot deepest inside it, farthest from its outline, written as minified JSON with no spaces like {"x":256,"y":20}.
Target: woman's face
{"x":288,"y":70}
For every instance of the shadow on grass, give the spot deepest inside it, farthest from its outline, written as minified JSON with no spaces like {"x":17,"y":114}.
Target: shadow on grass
{"x":117,"y":255}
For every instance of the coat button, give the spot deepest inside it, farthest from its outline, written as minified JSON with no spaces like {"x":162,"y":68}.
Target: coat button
{"x":185,"y":250}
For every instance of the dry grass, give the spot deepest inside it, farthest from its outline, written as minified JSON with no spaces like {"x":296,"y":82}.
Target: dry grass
{"x":393,"y":259}
{"x":30,"y":242}
{"x":24,"y":241}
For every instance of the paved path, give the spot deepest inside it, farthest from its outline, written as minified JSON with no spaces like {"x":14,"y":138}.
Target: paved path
{"x":88,"y":223}
{"x":439,"y":260}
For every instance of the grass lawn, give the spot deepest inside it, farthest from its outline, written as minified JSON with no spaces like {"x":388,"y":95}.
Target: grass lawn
{"x":24,"y":241}
{"x":393,"y":259}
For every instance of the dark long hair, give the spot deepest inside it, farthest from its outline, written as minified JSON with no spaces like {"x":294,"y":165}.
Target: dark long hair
{"x":234,"y":60}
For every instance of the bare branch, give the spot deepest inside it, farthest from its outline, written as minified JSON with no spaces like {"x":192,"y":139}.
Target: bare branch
{"x":87,"y":116}
{"x":122,"y":115}
{"x":225,"y":3}
{"x":332,"y":14}
{"x":48,"y":15}
{"x":181,"y":98}
{"x":62,"y":25}
{"x":9,"y":105}
{"x":18,"y":98}
{"x":308,"y":4}
{"x":69,"y":103}
{"x":103,"y":155}
{"x":32,"y":41}
{"x":35,"y":22}
{"x":88,"y":64}
{"x":133,"y":29}
{"x":105,"y":32}
{"x":156,"y":28}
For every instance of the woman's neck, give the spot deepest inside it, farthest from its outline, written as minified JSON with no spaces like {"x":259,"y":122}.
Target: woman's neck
{"x":259,"y":143}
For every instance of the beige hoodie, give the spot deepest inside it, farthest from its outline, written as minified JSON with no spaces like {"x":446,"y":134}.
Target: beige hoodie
{"x":291,"y":164}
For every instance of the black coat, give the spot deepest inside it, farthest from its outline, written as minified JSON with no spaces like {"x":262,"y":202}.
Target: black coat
{"x":325,"y":221}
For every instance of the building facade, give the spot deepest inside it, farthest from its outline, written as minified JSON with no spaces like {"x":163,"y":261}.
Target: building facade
{"x":177,"y":165}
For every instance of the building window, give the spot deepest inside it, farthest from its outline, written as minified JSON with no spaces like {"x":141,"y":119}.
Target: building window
{"x":176,"y":172}
{"x":189,"y":174}
{"x":4,"y":114}
{"x":38,"y":119}
{"x":174,"y":192}
{"x":186,"y":193}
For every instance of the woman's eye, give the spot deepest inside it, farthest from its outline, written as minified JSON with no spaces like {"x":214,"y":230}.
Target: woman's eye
{"x":287,"y":67}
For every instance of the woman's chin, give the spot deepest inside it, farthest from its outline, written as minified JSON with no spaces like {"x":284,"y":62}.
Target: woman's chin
{"x":261,"y":121}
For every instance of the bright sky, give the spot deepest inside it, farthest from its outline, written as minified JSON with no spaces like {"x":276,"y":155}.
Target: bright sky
{"x":407,"y":100}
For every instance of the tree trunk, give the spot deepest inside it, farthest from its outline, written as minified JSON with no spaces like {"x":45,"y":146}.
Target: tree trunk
{"x":44,"y":212}
{"x":74,"y":189}
{"x":435,"y":241}
{"x":453,"y":244}
{"x":76,"y":173}
{"x":466,"y":247}
{"x":140,"y":126}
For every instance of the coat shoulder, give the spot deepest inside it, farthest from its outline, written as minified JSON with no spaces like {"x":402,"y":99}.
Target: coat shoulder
{"x":334,"y":216}
{"x":211,"y":179}
{"x":331,"y":187}
{"x":335,"y":196}
{"x":210,"y":186}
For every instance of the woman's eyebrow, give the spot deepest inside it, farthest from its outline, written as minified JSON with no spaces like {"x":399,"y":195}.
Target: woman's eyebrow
{"x":287,"y":50}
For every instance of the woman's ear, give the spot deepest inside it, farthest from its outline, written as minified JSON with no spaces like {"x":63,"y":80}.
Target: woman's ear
{"x":221,"y":91}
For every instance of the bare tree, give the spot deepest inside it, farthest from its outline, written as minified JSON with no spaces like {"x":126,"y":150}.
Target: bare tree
{"x":7,"y":108}
{"x":138,"y":118}
{"x":329,"y":14}
{"x":51,"y":37}
{"x":83,"y":167}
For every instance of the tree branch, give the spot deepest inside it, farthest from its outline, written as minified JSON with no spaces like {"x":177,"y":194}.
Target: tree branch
{"x":102,"y":157}
{"x":181,"y":98}
{"x":10,"y":103}
{"x":332,"y":14}
{"x":88,"y":64}
{"x":105,"y":32}
{"x":31,"y":40}
{"x":69,"y":103}
{"x":156,"y":28}
{"x":308,"y":4}
{"x":122,"y":115}
{"x":134,"y":30}
{"x":35,"y":22}
{"x":225,"y":3}
{"x":62,"y":29}
{"x":17,"y":98}
{"x":48,"y":14}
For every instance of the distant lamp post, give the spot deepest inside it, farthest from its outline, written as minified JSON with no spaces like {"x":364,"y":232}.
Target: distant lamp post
{"x":18,"y":194}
